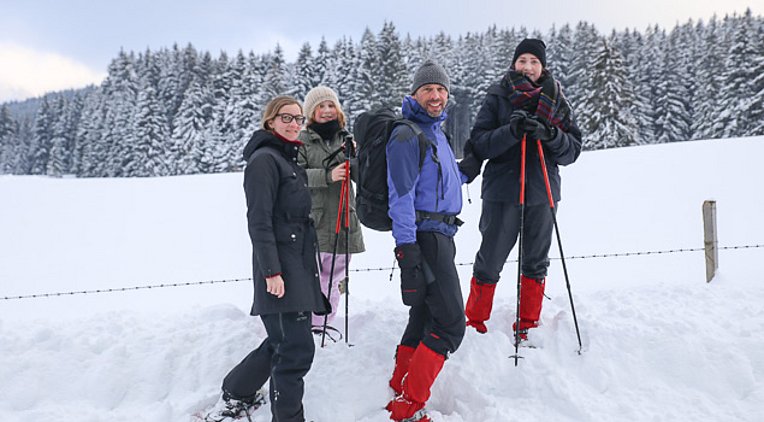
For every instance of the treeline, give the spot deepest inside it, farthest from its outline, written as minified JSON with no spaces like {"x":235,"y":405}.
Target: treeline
{"x":181,"y":111}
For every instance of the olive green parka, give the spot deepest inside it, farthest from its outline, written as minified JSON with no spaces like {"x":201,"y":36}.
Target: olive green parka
{"x":325,"y":194}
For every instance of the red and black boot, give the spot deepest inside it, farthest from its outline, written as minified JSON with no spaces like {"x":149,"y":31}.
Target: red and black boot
{"x":403,"y":356}
{"x":479,"y":304}
{"x":531,"y":296}
{"x":424,"y":367}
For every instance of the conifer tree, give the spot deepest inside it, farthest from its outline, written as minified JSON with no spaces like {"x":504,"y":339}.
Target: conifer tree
{"x":304,"y":72}
{"x":391,"y":80}
{"x":7,"y":134}
{"x":611,"y":123}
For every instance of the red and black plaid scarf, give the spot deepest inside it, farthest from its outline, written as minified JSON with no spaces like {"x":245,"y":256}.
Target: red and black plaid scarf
{"x":546,"y":99}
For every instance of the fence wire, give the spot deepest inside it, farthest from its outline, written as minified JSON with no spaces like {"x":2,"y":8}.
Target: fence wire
{"x":390,"y":268}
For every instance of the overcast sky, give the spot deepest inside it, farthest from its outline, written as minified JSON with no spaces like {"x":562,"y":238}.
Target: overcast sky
{"x":56,"y":44}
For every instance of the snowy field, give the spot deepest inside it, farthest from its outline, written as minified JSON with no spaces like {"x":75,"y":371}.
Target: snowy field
{"x":660,"y":344}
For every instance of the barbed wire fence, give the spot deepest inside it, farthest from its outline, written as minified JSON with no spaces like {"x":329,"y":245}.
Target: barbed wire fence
{"x":370,"y":269}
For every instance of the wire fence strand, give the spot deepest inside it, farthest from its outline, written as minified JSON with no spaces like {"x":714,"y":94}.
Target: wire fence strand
{"x":390,"y":268}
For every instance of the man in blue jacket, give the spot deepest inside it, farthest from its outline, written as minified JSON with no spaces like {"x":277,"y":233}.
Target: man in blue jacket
{"x":424,"y":204}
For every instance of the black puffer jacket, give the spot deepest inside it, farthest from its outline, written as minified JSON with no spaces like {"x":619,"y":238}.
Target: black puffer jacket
{"x":491,"y":139}
{"x":282,"y":234}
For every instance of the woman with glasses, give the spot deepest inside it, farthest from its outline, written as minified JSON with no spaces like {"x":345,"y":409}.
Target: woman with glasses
{"x":285,"y":273}
{"x":323,"y":156}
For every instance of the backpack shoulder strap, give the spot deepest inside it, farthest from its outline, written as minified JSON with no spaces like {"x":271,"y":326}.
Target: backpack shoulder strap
{"x":424,"y":141}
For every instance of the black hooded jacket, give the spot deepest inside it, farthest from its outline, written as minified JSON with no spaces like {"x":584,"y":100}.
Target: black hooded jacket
{"x":491,"y":139}
{"x":282,"y":234}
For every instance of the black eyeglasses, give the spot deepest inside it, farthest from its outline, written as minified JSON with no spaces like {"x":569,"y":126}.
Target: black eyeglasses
{"x":287,"y":118}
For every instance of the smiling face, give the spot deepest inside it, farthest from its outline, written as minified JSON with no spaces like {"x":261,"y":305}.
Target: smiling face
{"x":529,"y":65}
{"x":287,"y":130}
{"x":433,"y":98}
{"x":325,"y":111}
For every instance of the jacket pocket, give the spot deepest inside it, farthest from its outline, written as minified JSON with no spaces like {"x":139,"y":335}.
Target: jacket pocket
{"x":289,"y":234}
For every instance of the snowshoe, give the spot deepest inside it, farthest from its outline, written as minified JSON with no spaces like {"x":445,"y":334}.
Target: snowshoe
{"x":332,"y":333}
{"x":420,"y":416}
{"x":228,"y":409}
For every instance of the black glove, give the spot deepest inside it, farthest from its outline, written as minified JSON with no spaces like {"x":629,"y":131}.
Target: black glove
{"x":470,"y":164}
{"x":413,"y":281}
{"x":517,"y":123}
{"x":540,"y":129}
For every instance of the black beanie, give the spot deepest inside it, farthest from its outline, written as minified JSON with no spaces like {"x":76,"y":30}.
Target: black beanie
{"x":533,"y":46}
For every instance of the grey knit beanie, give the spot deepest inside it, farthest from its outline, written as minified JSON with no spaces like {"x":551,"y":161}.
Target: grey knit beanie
{"x":318,"y":95}
{"x":430,"y":73}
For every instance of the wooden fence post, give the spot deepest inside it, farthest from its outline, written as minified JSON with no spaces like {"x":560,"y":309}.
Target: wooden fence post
{"x":711,"y":242}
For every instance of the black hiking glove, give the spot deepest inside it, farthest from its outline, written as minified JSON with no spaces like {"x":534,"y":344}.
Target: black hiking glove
{"x":413,"y":281}
{"x":540,"y":129}
{"x":519,"y":123}
{"x":470,"y":164}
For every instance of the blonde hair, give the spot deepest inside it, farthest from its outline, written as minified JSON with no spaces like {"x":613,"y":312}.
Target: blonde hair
{"x":318,"y":95}
{"x":341,"y":119}
{"x":273,"y":107}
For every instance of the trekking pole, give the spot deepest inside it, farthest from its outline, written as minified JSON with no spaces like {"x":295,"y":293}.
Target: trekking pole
{"x":340,"y":214}
{"x":520,"y":248}
{"x":347,"y":236}
{"x":559,"y":242}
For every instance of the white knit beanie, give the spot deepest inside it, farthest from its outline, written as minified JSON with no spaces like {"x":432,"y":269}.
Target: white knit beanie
{"x":318,"y":95}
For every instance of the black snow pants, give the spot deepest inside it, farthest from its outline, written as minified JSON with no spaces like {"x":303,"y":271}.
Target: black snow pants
{"x":500,"y":227}
{"x":438,"y":322}
{"x":285,"y":357}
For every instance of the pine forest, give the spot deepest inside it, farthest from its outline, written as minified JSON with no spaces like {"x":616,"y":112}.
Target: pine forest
{"x":182,"y":111}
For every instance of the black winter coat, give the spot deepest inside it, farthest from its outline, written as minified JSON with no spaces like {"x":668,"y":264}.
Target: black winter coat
{"x":491,"y":139}
{"x":282,"y":234}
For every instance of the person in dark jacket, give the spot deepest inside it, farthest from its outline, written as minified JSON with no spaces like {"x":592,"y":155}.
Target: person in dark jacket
{"x":528,"y":102}
{"x":424,"y":204}
{"x":322,"y":154}
{"x":284,"y":271}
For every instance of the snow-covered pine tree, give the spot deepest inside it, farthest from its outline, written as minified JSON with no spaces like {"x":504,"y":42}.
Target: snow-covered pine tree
{"x":304,"y":73}
{"x":757,"y":70}
{"x":339,"y":74}
{"x":366,"y":70}
{"x":586,"y":43}
{"x":58,"y":153}
{"x":192,"y":128}
{"x":120,"y":94}
{"x":39,"y":147}
{"x":611,"y":123}
{"x":651,"y":71}
{"x":222,"y":151}
{"x":673,"y":100}
{"x":392,"y":79}
{"x":738,"y":89}
{"x":320,"y":63}
{"x":559,"y":54}
{"x":275,"y":81}
{"x":705,"y":123}
{"x":7,"y":134}
{"x":149,"y":154}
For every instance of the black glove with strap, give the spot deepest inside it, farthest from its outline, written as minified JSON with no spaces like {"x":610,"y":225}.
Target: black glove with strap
{"x":540,"y":129}
{"x":470,"y":164}
{"x":517,"y":123}
{"x":413,"y":281}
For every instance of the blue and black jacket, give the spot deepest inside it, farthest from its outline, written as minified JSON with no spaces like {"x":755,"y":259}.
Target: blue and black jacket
{"x":435,"y":189}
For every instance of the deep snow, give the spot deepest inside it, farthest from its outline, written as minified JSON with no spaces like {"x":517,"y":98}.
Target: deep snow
{"x":660,"y":344}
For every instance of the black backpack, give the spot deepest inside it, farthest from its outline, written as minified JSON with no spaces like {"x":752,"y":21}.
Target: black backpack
{"x":372,"y":132}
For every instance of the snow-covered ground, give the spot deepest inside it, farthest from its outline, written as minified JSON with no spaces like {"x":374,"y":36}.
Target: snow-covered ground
{"x":660,"y":344}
